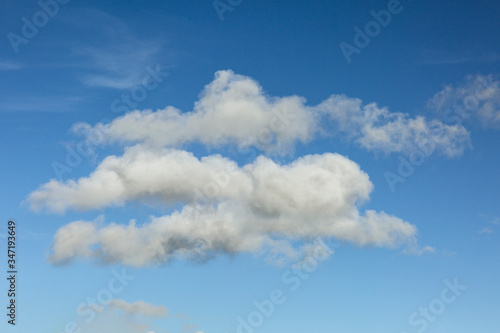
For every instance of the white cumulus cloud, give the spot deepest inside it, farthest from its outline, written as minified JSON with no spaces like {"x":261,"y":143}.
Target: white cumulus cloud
{"x":376,"y":128}
{"x":260,"y":207}
{"x":233,"y":109}
{"x":227,"y":208}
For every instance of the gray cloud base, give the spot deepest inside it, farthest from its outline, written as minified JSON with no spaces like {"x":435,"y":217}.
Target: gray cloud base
{"x":254,"y":207}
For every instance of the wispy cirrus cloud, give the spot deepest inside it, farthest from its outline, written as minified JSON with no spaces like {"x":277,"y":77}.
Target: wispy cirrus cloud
{"x":40,"y":104}
{"x":119,"y":66}
{"x":9,"y":66}
{"x":440,"y":57}
{"x":111,"y":56}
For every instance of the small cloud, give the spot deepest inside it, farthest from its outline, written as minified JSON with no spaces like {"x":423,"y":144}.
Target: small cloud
{"x":139,"y":307}
{"x":448,"y":253}
{"x":478,"y":97}
{"x":189,"y":327}
{"x":491,"y":221}
{"x":419,"y":251}
{"x":113,"y":321}
{"x":485,"y":231}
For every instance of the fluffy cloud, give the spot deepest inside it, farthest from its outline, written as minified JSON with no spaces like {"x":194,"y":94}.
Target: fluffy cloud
{"x":231,"y":109}
{"x":478,"y":97}
{"x":314,"y":184}
{"x":234,"y":109}
{"x":376,"y":128}
{"x":260,"y":207}
{"x":139,"y":307}
{"x":142,"y":173}
{"x":194,"y":235}
{"x":227,"y":208}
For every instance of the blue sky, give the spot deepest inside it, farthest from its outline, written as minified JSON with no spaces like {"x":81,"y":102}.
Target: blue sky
{"x":260,"y":162}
